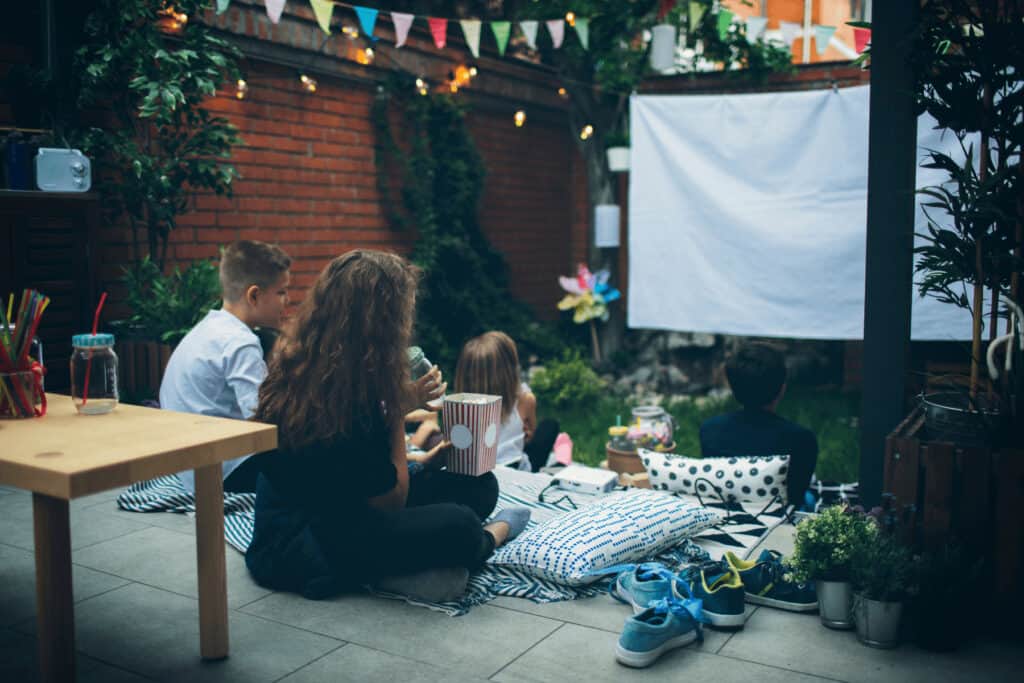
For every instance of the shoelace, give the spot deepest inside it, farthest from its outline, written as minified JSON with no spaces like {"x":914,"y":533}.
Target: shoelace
{"x":645,"y":571}
{"x":774,"y":571}
{"x":691,"y":609}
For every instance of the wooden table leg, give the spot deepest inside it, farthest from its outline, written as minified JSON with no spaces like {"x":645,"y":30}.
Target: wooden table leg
{"x":213,"y":594}
{"x":55,"y":615}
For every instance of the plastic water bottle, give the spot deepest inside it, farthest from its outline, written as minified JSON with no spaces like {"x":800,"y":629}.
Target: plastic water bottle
{"x":420,"y":365}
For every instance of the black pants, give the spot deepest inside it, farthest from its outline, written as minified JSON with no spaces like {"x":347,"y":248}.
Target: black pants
{"x":243,"y":478}
{"x":441,"y":526}
{"x":539,"y":447}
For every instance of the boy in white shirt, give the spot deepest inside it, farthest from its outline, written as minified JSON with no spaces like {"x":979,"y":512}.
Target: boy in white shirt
{"x":218,"y":367}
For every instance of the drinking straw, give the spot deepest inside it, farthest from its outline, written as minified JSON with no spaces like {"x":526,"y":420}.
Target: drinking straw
{"x":37,"y":314}
{"x":88,"y":365}
{"x":10,"y":304}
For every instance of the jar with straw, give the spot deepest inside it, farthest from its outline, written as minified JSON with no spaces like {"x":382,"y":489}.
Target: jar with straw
{"x":21,"y":373}
{"x":94,"y":370}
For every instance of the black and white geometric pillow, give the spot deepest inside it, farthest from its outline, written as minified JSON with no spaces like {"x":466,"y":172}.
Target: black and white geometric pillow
{"x":755,"y":479}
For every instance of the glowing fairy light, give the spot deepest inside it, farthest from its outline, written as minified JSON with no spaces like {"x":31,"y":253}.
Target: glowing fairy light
{"x":308,"y":83}
{"x":519,"y":118}
{"x":351,"y":31}
{"x":170,"y":20}
{"x":365,"y":56}
{"x":563,"y":93}
{"x":587,"y":132}
{"x":241,"y":89}
{"x":570,"y":18}
{"x":473,"y":71}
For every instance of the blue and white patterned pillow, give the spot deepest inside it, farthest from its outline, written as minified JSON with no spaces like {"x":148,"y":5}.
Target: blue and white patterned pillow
{"x":754,"y":479}
{"x":621,"y":527}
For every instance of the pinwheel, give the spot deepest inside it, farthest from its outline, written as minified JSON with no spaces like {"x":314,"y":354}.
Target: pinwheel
{"x":588,"y":297}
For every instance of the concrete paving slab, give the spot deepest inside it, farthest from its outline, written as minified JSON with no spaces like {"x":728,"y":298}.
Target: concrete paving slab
{"x":88,"y":524}
{"x":18,"y":663}
{"x":362,"y":665}
{"x":478,"y":644}
{"x":166,"y":559}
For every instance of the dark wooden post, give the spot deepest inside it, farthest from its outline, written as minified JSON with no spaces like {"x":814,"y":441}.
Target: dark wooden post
{"x":892,"y":163}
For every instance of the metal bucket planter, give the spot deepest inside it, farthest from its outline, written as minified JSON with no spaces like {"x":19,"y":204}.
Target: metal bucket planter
{"x":955,"y":418}
{"x":835,"y":599}
{"x":878,"y":622}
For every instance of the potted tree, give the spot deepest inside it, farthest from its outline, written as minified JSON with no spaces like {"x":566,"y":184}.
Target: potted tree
{"x":617,"y":149}
{"x":823,"y":552}
{"x":881,"y":571}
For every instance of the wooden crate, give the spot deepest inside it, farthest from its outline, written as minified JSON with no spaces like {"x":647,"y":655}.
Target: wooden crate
{"x":972,"y":495}
{"x":141,"y":365}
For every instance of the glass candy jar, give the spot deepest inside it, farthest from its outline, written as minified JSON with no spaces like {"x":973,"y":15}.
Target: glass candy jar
{"x":618,"y":439}
{"x":652,"y":428}
{"x":93,"y":373}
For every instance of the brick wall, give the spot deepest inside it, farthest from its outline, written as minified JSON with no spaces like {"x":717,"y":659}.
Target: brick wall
{"x":308,"y":173}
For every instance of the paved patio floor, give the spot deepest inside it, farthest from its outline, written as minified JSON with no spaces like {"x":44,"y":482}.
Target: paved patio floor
{"x":137,"y":619}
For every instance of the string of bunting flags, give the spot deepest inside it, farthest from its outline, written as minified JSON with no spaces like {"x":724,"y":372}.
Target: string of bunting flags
{"x":472,"y":29}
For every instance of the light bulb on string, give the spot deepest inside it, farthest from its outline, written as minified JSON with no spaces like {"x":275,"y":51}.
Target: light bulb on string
{"x":421,"y":86}
{"x":563,"y":93}
{"x":351,"y":31}
{"x":473,"y":71}
{"x":570,"y":18}
{"x":365,"y":56}
{"x":519,"y":118}
{"x":241,"y":89}
{"x":453,"y":86}
{"x":586,"y":132}
{"x":170,"y":20}
{"x":308,"y":83}
{"x":462,"y":75}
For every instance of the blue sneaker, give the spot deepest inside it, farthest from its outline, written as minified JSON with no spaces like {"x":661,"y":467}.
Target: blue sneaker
{"x":638,"y":585}
{"x":767,"y":581}
{"x":665,"y":625}
{"x":719,"y":588}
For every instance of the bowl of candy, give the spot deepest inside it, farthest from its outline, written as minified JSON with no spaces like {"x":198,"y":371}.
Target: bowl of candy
{"x":652,"y":428}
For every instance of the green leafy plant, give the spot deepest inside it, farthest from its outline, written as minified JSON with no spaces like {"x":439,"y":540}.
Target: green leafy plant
{"x":882,"y":569}
{"x":827,"y":543}
{"x":617,"y":139}
{"x":465,"y":288}
{"x":567,"y":381}
{"x":161,"y":145}
{"x":166,"y":307}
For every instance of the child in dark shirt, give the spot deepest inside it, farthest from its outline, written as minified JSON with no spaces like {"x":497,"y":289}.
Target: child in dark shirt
{"x":757,"y":376}
{"x":338,"y":504}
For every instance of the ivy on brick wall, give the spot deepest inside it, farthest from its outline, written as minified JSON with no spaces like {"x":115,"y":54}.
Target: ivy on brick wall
{"x":423,"y":143}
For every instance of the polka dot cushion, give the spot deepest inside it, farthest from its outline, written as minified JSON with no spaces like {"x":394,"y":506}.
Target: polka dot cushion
{"x":747,"y":480}
{"x":621,"y":527}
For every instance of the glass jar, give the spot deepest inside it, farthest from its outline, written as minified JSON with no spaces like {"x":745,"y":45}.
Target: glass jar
{"x":35,"y":349}
{"x":618,"y":439}
{"x":420,"y":365}
{"x":652,"y":428}
{"x":93,"y":373}
{"x":21,"y":394}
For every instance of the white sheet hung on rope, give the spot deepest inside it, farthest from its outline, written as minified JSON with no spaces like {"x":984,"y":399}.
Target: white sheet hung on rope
{"x":747,"y":215}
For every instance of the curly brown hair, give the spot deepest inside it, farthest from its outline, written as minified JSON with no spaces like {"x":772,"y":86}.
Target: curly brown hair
{"x":344,"y":358}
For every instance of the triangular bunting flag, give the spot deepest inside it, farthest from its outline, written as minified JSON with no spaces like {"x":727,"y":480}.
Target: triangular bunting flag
{"x":438,"y":29}
{"x":556,"y":27}
{"x":323,"y":9}
{"x":583,"y":32}
{"x":471,"y":29}
{"x":789,"y":31}
{"x":367,"y":19}
{"x":696,"y":14}
{"x":822,"y":34}
{"x":755,"y":28}
{"x":402,"y":24}
{"x":501,"y":30}
{"x":724,"y":22}
{"x":274,"y":9}
{"x":530,"y":32}
{"x":222,"y":6}
{"x":861,"y":38}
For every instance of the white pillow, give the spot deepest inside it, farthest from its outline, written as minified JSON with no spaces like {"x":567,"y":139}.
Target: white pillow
{"x":755,"y":479}
{"x":621,"y":527}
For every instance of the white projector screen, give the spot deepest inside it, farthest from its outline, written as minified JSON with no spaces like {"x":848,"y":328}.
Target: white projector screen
{"x":747,"y":216}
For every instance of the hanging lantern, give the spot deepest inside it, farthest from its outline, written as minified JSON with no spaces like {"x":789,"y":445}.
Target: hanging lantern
{"x":663,"y":47}
{"x":241,"y":89}
{"x":308,"y":83}
{"x":586,"y":132}
{"x":519,"y":118}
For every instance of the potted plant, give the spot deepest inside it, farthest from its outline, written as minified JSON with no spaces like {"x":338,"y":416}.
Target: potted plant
{"x":823,"y":552}
{"x":617,"y":149}
{"x":967,"y":81}
{"x":882,"y":573}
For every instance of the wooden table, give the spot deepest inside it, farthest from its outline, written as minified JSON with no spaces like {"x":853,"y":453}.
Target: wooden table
{"x":65,"y":455}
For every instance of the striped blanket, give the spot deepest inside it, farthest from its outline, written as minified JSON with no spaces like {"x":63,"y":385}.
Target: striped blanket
{"x":517,"y":488}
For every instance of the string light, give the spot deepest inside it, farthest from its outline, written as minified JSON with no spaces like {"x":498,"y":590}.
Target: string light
{"x":570,"y":18}
{"x":365,"y":56}
{"x":351,"y":31}
{"x":473,"y":72}
{"x":587,"y":131}
{"x":519,"y":118}
{"x":462,"y":76}
{"x":421,"y":86}
{"x":563,"y":93}
{"x":170,"y":20}
{"x":308,"y":83}
{"x":241,"y":89}
{"x":453,"y":86}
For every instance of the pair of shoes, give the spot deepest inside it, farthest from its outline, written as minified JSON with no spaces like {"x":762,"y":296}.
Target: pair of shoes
{"x":717,"y":586}
{"x":767,"y":581}
{"x":664,"y":625}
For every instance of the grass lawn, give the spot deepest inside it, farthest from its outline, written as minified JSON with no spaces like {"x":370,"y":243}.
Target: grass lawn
{"x":829,"y":413}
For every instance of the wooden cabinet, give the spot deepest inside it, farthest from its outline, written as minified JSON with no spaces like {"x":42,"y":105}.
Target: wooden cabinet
{"x":48,"y":243}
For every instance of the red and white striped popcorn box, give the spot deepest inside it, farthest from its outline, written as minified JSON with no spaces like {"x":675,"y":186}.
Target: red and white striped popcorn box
{"x":471,"y":423}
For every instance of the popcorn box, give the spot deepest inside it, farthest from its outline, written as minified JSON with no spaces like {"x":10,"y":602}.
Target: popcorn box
{"x":471,"y":422}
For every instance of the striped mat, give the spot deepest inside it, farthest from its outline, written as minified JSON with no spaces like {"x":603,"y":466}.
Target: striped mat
{"x":166,"y":494}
